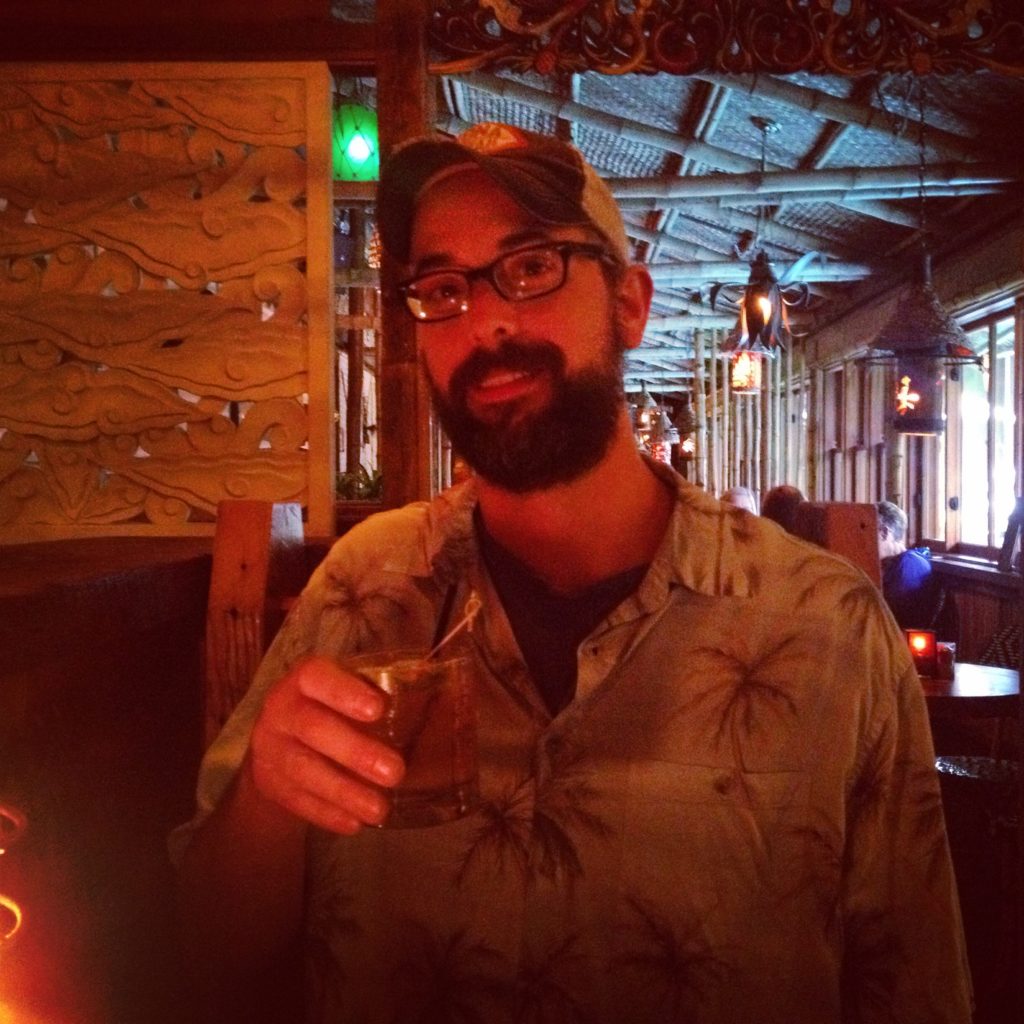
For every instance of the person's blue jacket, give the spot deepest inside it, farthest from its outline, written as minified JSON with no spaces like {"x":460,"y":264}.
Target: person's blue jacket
{"x":911,"y":589}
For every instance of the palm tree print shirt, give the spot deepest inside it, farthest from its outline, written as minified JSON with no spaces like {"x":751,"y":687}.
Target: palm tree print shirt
{"x":736,"y":821}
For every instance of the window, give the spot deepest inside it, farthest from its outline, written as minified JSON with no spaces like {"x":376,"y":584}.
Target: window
{"x":986,"y":421}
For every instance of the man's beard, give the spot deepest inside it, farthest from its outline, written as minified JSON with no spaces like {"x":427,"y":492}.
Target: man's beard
{"x":531,"y":451}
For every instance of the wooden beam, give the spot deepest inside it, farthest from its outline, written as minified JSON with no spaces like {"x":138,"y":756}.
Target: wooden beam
{"x":404,"y":94}
{"x":347,"y":47}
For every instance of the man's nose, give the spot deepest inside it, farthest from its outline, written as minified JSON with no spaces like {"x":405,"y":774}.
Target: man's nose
{"x":491,"y":317}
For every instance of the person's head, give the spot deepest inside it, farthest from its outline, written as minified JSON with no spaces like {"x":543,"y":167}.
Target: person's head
{"x":780,"y":505}
{"x":517,"y":273}
{"x":741,"y":497}
{"x":892,"y":529}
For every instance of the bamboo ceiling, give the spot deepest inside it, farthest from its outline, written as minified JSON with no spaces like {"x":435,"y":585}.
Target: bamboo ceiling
{"x":666,"y":99}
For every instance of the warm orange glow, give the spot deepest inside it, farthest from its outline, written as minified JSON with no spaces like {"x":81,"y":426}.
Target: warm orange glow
{"x":765,"y":305}
{"x":923,"y":650}
{"x":906,"y":400}
{"x":9,"y":929}
{"x":12,"y":826}
{"x":745,"y":373}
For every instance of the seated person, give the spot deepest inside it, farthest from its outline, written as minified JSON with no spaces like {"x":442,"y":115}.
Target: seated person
{"x":910,"y":587}
{"x":780,"y":504}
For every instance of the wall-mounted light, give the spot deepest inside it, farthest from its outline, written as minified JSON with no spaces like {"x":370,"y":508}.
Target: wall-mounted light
{"x":355,"y":146}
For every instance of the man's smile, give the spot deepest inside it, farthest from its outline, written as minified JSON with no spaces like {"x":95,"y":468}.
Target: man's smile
{"x":502,"y":386}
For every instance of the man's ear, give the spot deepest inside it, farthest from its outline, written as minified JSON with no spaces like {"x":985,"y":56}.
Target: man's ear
{"x":633,"y":294}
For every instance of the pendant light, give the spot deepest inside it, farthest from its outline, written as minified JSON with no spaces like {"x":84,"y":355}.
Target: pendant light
{"x":921,"y":339}
{"x":763,"y":326}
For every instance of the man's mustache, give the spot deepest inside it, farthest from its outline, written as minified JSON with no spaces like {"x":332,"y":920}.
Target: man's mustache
{"x":512,"y":354}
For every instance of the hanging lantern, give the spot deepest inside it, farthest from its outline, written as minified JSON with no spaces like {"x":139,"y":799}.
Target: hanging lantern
{"x":920,"y":340}
{"x":663,"y":436}
{"x":762,"y":329}
{"x":763,"y":321}
{"x":919,"y":396}
{"x":356,"y":151}
{"x":645,"y":417}
{"x":745,"y":371}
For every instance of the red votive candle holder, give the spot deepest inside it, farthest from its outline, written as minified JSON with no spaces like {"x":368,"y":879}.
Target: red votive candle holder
{"x":923,"y":650}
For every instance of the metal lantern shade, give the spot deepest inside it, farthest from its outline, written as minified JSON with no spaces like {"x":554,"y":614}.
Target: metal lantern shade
{"x":921,"y":339}
{"x":355,"y":147}
{"x":762,"y":312}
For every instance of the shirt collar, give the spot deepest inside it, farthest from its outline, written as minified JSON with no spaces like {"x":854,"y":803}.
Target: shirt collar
{"x":708,"y":545}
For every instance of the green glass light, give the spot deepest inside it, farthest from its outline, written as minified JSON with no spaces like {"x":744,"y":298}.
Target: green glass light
{"x":356,"y":154}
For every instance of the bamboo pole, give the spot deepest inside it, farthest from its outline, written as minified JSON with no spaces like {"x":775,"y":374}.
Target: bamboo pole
{"x":884,"y":125}
{"x":758,"y":443}
{"x":354,"y":348}
{"x":733,"y":272}
{"x":763,"y":416}
{"x":813,"y":420}
{"x":802,"y":424}
{"x":775,"y":424}
{"x":729,"y":453}
{"x":700,"y":455}
{"x":716,"y":417}
{"x":785,"y":417}
{"x":805,"y":184}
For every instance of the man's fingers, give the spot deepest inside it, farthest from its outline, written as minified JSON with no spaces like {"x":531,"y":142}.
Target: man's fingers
{"x":310,"y":786}
{"x":322,"y":680}
{"x":329,"y":734}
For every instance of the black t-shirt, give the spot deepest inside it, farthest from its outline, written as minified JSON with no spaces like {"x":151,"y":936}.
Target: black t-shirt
{"x":549,"y":627}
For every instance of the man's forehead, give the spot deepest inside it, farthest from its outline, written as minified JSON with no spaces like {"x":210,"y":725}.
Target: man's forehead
{"x":465,"y":209}
{"x":458,"y":184}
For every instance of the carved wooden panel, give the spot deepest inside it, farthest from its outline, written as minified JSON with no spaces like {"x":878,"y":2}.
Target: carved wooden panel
{"x":681,"y":37}
{"x":164,"y":295}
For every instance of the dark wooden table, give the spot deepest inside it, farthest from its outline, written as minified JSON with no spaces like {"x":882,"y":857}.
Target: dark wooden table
{"x":977,"y":691}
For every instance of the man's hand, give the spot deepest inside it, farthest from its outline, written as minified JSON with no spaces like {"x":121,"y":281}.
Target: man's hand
{"x":310,"y":755}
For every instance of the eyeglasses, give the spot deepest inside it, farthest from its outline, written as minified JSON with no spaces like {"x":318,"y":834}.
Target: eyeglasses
{"x":526,"y":273}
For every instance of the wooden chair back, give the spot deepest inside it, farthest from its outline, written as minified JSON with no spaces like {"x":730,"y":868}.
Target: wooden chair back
{"x":259,"y":565}
{"x":848,"y":528}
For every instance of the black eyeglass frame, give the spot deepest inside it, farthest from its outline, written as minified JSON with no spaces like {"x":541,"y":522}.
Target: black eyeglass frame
{"x":565,"y":249}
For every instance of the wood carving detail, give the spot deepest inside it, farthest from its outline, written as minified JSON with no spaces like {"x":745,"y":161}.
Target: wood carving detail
{"x":153,"y":299}
{"x":845,"y":37}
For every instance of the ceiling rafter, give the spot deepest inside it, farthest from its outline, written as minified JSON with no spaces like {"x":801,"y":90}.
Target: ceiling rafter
{"x":691,"y":149}
{"x":847,"y":112}
{"x":755,"y":185}
{"x":735,"y":271}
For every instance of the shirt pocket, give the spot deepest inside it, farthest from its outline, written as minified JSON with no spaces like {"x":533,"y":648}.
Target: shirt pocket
{"x":717,"y":834}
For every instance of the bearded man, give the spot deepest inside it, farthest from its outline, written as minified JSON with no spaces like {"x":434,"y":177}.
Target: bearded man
{"x":706,"y":774}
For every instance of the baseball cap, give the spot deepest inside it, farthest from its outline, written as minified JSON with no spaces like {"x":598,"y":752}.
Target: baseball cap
{"x":547,"y":177}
